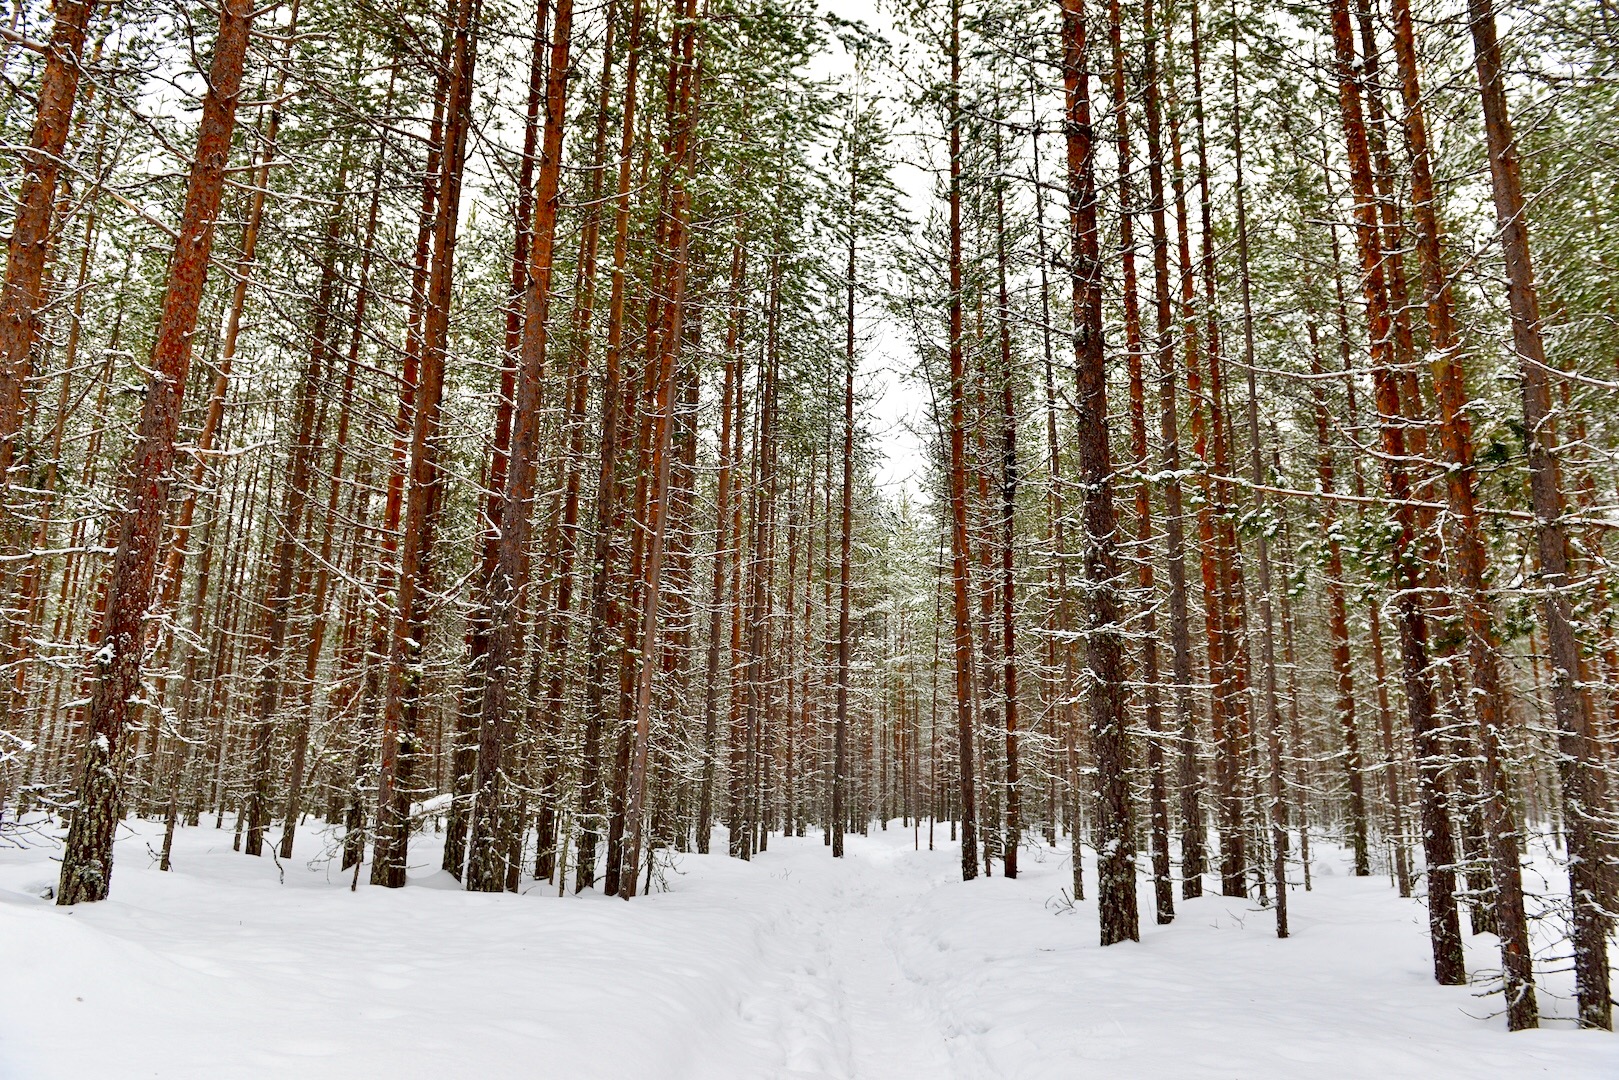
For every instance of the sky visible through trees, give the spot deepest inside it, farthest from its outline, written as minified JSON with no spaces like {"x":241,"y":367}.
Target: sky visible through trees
{"x":537,"y":447}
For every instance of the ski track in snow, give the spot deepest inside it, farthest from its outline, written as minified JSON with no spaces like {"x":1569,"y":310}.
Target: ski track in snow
{"x":881,"y":965}
{"x":837,"y":1002}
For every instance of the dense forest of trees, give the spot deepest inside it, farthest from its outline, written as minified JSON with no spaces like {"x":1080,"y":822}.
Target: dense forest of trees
{"x":449,"y":415}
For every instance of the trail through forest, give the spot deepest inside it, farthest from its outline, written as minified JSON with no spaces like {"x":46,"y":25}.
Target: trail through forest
{"x":883,"y":964}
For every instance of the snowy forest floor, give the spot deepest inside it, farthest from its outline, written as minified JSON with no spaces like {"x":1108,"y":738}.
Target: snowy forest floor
{"x":882,"y":965}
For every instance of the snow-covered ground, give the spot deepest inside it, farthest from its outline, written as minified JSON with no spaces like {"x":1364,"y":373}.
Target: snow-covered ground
{"x":883,"y":965}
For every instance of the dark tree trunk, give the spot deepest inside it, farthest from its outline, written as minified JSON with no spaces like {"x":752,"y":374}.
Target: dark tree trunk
{"x":486,"y":870}
{"x":724,"y":538}
{"x":1157,"y":782}
{"x":1449,"y":381}
{"x":1343,"y":675}
{"x":605,"y":610}
{"x":1009,"y":484}
{"x":1438,"y":840}
{"x":1579,"y":761}
{"x":1227,"y":611}
{"x":1273,"y":719}
{"x":1188,"y":781}
{"x":407,"y":640}
{"x":958,"y":478}
{"x":1209,"y":567}
{"x":1116,"y":856}
{"x":290,"y":540}
{"x":840,"y":738}
{"x":686,"y":76}
{"x":464,"y":753}
{"x":555,"y":659}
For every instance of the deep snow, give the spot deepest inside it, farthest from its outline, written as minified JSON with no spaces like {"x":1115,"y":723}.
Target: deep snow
{"x":883,"y":965}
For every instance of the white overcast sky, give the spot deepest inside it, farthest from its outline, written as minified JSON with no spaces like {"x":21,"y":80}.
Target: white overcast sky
{"x":896,"y":405}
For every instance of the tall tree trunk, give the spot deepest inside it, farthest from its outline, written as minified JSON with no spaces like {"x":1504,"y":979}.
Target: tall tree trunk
{"x":1273,"y":719}
{"x":669,"y":340}
{"x":349,"y":636}
{"x":1438,"y":840}
{"x":1116,"y":856}
{"x":1343,"y":675}
{"x":87,"y":856}
{"x":174,"y":564}
{"x":752,"y":776}
{"x":1483,"y":647}
{"x":402,"y":697}
{"x":1188,"y":780}
{"x":1058,"y":686}
{"x":605,"y":610}
{"x":958,"y":477}
{"x":808,"y":698}
{"x":1209,"y":572}
{"x":1385,"y":713}
{"x":730,"y":398}
{"x":1295,"y":719}
{"x":278,"y":602}
{"x":1579,"y":758}
{"x":1227,"y":612}
{"x":486,"y":871}
{"x":1157,"y":783}
{"x":464,"y":755}
{"x":377,"y":646}
{"x":1009,"y":484}
{"x":840,"y":738}
{"x":557,"y":634}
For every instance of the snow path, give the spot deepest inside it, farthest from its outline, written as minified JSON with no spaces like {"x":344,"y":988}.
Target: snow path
{"x":837,"y":1002}
{"x":883,"y":965}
